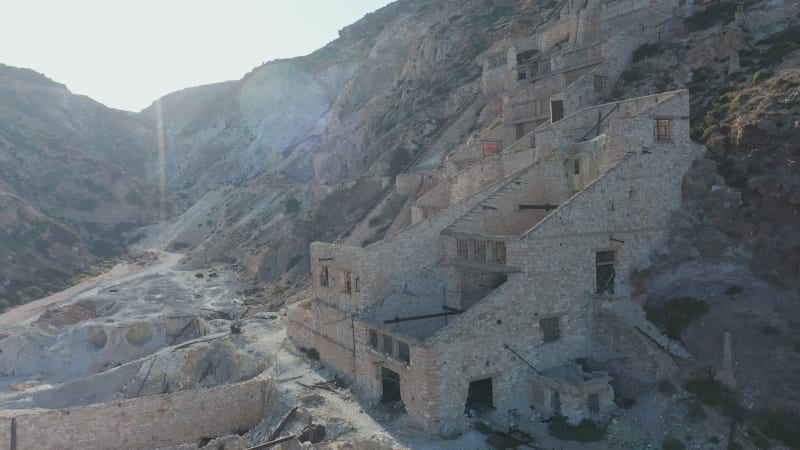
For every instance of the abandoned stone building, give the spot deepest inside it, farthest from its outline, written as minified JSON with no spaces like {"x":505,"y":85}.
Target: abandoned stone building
{"x":489,"y":295}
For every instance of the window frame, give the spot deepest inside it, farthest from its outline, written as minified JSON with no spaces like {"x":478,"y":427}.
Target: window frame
{"x":662,"y":129}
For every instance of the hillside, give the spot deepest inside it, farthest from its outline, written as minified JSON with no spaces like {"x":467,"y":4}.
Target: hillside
{"x":339,"y":145}
{"x":73,"y":182}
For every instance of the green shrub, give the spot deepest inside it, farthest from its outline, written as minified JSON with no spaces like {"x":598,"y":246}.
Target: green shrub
{"x":781,"y":44}
{"x":695,"y":411}
{"x":734,"y":290}
{"x":586,"y":431}
{"x":313,"y":354}
{"x":673,"y":444}
{"x":483,"y":428}
{"x":760,"y":441}
{"x":633,"y":75}
{"x":676,"y":314}
{"x":782,"y":426}
{"x":722,"y":12}
{"x":760,"y":76}
{"x":400,"y":159}
{"x":292,"y":205}
{"x":646,"y":51}
{"x":713,"y":393}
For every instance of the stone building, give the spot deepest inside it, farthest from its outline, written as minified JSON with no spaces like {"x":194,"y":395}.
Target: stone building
{"x":490,"y":293}
{"x":489,"y":301}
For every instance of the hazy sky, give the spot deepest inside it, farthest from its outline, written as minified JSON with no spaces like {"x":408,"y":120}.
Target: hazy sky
{"x":127,"y":53}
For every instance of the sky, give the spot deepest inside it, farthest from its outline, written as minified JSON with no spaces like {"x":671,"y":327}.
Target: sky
{"x":127,"y":53}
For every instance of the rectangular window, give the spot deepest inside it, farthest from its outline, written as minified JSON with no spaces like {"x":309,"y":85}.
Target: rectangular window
{"x":600,"y":82}
{"x":404,"y":352}
{"x":355,"y":283}
{"x":323,"y":276}
{"x":428,"y":211}
{"x":604,"y":269}
{"x":556,"y":110}
{"x":373,"y":339}
{"x":662,"y":130}
{"x":593,"y":402}
{"x":479,"y":248}
{"x":347,"y":285}
{"x":491,"y":147}
{"x":519,"y":131}
{"x":550,"y":327}
{"x":462,"y":248}
{"x":576,"y":166}
{"x":388,"y":345}
{"x":498,"y":252}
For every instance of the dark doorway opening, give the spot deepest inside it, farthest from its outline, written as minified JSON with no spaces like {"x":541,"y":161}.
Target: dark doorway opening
{"x":556,"y":110}
{"x":479,"y":395}
{"x":391,"y":386}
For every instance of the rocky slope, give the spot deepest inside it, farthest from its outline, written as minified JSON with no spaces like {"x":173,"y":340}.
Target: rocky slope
{"x":72,"y":181}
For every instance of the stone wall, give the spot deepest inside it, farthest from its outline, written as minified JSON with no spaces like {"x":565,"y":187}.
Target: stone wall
{"x":145,"y":422}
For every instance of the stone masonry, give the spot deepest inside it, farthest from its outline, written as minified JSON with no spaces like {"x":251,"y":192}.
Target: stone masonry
{"x":487,"y":299}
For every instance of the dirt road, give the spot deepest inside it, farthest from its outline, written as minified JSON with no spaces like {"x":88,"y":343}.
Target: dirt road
{"x":120,"y":272}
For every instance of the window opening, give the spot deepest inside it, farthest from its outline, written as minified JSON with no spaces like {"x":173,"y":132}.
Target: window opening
{"x":480,"y":249}
{"x":373,"y":339}
{"x":600,"y":82}
{"x":576,"y":166}
{"x":604,"y":268}
{"x":593,"y":402}
{"x":323,"y":276}
{"x":347,"y":285}
{"x":556,"y":110}
{"x":662,"y":130}
{"x":388,"y":345}
{"x":551,"y":329}
{"x":462,"y":248}
{"x":555,"y":403}
{"x":498,"y":252}
{"x":404,"y":352}
{"x":479,"y":395}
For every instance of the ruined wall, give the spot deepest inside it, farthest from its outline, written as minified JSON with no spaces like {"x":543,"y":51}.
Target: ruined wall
{"x":146,"y":422}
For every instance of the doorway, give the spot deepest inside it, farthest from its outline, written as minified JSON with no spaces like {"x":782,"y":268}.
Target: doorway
{"x":391,"y":386}
{"x":556,"y":110}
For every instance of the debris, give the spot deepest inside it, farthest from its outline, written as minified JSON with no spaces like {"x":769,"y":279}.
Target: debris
{"x":198,"y":275}
{"x":313,"y":433}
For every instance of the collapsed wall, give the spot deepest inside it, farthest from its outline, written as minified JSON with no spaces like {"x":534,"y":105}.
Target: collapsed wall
{"x":146,"y":422}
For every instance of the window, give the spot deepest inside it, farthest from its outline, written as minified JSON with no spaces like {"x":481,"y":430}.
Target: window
{"x":323,"y":276}
{"x":593,"y":402}
{"x":604,"y":268}
{"x":388,"y":345}
{"x":498,"y":252}
{"x":661,"y":130}
{"x":373,"y":339}
{"x":404,"y":352}
{"x":497,"y":60}
{"x":462,"y":248}
{"x":428,"y":211}
{"x":556,"y":110}
{"x":479,"y":246}
{"x":551,"y":330}
{"x":347,"y":285}
{"x":491,"y":147}
{"x":576,"y":166}
{"x":519,"y":131}
{"x":355,"y":283}
{"x":600,"y":82}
